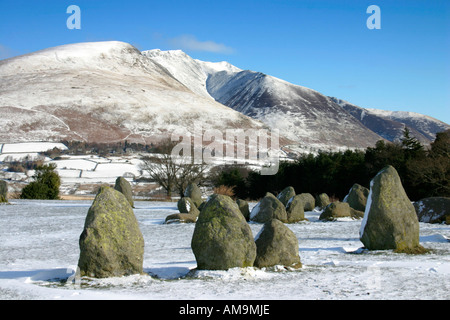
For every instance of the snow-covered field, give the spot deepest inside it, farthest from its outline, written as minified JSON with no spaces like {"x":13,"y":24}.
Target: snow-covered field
{"x":39,"y":253}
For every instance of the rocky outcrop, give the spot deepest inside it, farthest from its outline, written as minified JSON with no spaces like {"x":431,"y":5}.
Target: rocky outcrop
{"x":111,"y":243}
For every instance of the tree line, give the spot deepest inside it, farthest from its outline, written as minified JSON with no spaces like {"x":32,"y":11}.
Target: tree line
{"x":425,"y":172}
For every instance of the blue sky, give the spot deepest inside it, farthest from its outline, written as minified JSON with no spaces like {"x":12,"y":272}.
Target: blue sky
{"x":321,"y":44}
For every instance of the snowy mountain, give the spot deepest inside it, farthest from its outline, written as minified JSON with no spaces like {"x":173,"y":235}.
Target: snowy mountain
{"x":390,"y":124}
{"x":103,"y":92}
{"x":110,"y":91}
{"x":302,"y":115}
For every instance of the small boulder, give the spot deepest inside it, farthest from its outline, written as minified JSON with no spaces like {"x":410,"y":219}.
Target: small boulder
{"x":390,"y":221}
{"x":433,"y":209}
{"x":188,"y":212}
{"x":308,"y":201}
{"x":335,"y":210}
{"x":276,"y":244}
{"x":181,"y":218}
{"x":186,"y":205}
{"x":222,"y":239}
{"x":111,"y":243}
{"x":267,"y":209}
{"x":357,"y":197}
{"x":243,"y":207}
{"x":122,"y":185}
{"x":295,"y":209}
{"x":193,"y":191}
{"x":285,"y":195}
{"x":322,"y":200}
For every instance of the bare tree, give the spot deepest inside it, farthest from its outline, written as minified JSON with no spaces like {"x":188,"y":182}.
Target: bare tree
{"x":172,"y":172}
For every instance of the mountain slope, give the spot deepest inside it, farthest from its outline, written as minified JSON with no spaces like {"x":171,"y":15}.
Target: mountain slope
{"x":390,"y":124}
{"x":103,"y":92}
{"x":109,"y":91}
{"x":302,"y":115}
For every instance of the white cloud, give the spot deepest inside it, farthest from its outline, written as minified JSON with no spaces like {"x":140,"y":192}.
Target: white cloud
{"x":190,"y":42}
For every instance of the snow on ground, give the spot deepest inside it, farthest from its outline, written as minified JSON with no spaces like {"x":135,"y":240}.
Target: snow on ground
{"x":30,"y":147}
{"x":39,"y":253}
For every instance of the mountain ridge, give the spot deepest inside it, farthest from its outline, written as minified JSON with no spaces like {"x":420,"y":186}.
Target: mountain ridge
{"x":111,"y":91}
{"x":100,"y":92}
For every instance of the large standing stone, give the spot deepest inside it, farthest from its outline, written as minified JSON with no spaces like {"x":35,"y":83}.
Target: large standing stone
{"x":276,"y":244}
{"x":433,"y":209}
{"x":295,"y":209}
{"x":111,"y":243}
{"x":267,"y":209}
{"x":286,"y":194}
{"x":122,"y":185}
{"x":193,"y":191}
{"x":357,"y":197}
{"x":222,"y":238}
{"x":3,"y":191}
{"x":390,"y":221}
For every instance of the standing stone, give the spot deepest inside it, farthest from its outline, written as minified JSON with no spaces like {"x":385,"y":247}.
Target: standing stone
{"x":335,"y":210}
{"x":286,"y":194}
{"x":243,"y":207}
{"x":339,"y":209}
{"x":188,"y":212}
{"x":3,"y":191}
{"x":111,"y":243}
{"x":193,"y":191}
{"x":308,"y":201}
{"x":122,"y":185}
{"x":267,"y":209}
{"x":433,"y":209}
{"x":186,"y":205}
{"x":276,"y":244}
{"x":390,"y":221}
{"x":222,"y":238}
{"x":322,"y":200}
{"x":295,"y":209}
{"x":357,"y":197}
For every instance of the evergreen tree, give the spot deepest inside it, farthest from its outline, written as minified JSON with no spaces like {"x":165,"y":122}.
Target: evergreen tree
{"x":45,"y":185}
{"x":412,"y":147}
